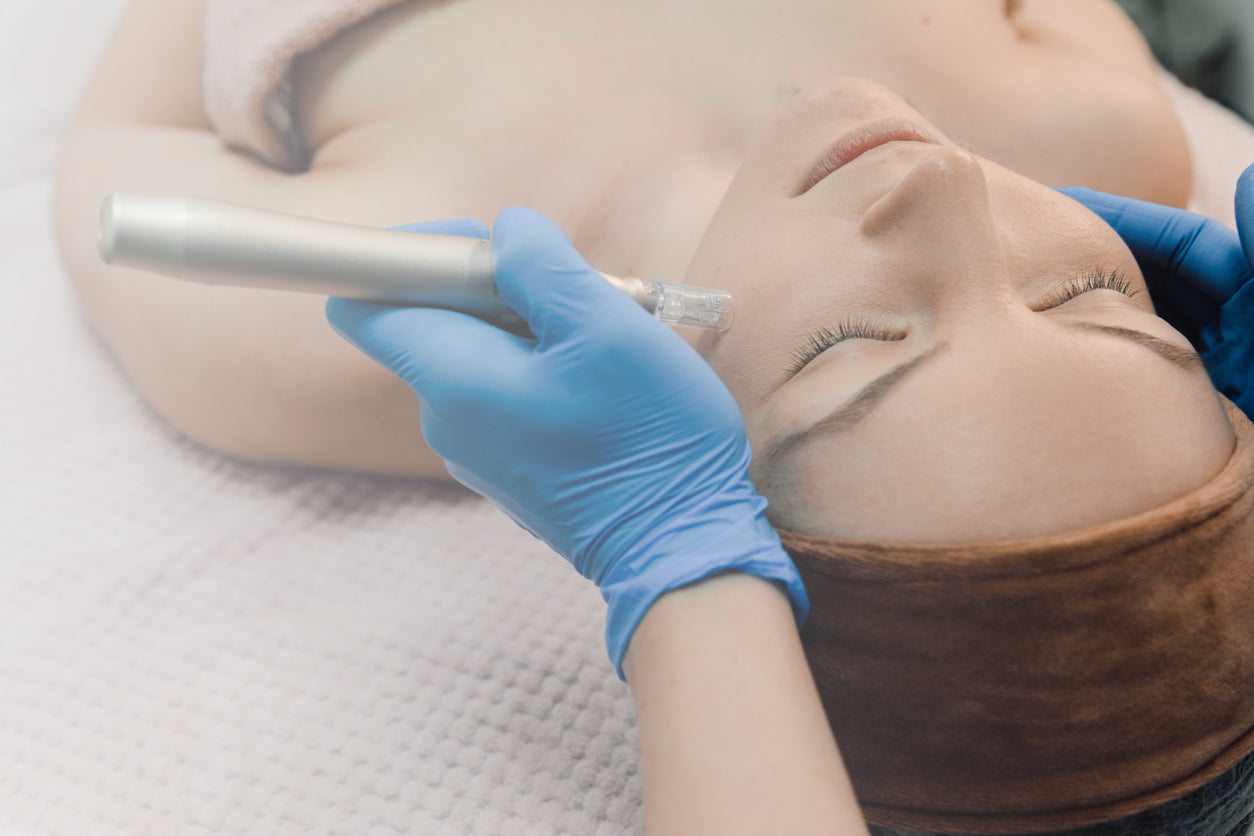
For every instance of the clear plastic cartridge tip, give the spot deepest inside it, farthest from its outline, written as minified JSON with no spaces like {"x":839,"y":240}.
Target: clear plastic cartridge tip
{"x":679,"y":304}
{"x":682,"y":304}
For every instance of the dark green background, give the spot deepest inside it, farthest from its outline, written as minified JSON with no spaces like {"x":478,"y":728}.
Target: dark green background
{"x":1206,"y":43}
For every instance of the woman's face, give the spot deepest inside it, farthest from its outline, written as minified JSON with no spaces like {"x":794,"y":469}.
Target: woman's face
{"x":987,"y":364}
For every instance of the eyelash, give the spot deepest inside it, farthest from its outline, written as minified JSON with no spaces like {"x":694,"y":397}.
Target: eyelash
{"x":849,"y":329}
{"x":859,"y":329}
{"x":1096,"y":280}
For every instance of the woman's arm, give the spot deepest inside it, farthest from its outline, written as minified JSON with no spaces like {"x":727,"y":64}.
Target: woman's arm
{"x":733,"y":738}
{"x":255,"y":374}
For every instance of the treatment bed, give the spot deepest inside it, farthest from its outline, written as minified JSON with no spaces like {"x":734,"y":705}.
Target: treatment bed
{"x":194,"y":644}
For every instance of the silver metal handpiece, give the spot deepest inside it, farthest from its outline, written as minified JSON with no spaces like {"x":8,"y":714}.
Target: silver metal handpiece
{"x":226,"y":244}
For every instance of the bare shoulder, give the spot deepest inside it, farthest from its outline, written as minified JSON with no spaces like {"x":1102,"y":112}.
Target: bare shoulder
{"x":1096,"y":29}
{"x":1085,"y":99}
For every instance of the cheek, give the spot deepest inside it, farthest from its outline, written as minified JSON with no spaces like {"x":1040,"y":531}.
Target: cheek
{"x":1047,"y":235}
{"x":1031,"y":220}
{"x":744,"y":371}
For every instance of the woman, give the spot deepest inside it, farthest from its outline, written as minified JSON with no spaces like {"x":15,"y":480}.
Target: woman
{"x":1104,"y":675}
{"x":980,"y":289}
{"x":623,"y":122}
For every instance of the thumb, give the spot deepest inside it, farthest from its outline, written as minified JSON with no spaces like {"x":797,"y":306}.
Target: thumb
{"x":541,"y":275}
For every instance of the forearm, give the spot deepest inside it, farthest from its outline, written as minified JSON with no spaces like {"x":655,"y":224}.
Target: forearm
{"x":733,"y":738}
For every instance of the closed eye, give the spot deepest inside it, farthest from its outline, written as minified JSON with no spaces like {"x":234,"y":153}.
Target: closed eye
{"x":850,"y":329}
{"x":824,"y":338}
{"x":1095,"y":280}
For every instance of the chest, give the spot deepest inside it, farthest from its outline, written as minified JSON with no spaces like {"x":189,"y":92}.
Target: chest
{"x":625,"y":120}
{"x":500,"y":80}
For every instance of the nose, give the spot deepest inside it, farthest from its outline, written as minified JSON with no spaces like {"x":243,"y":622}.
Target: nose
{"x":940,"y":217}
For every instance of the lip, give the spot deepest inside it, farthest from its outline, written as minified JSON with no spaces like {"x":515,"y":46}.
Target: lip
{"x":854,"y":143}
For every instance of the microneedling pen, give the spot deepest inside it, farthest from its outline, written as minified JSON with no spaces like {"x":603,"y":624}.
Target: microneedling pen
{"x":221,"y":243}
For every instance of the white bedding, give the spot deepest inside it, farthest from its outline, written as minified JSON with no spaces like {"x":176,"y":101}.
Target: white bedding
{"x":191,"y":644}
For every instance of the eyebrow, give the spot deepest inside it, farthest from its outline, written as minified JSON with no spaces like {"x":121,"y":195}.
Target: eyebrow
{"x":1185,"y":358}
{"x":848,"y":414}
{"x":856,"y":408}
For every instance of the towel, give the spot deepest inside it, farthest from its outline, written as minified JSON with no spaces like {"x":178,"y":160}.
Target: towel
{"x":1043,"y":684}
{"x":249,"y":49}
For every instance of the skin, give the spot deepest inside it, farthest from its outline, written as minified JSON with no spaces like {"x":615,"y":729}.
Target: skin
{"x":1062,"y":90}
{"x":627,"y":134}
{"x":953,"y":252}
{"x":704,"y":658}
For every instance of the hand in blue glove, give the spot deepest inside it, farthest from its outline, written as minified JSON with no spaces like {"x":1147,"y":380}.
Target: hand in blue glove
{"x":1199,"y":276}
{"x":606,"y":436}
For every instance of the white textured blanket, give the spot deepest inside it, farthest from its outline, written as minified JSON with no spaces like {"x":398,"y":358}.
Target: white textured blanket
{"x":194,"y":645}
{"x":190,"y":644}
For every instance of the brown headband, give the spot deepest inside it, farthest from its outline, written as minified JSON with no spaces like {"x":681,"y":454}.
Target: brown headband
{"x":1044,"y":684}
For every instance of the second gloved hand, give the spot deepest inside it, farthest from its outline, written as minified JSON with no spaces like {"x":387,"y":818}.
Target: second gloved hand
{"x":606,"y":436}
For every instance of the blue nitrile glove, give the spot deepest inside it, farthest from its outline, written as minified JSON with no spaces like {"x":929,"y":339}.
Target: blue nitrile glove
{"x":606,"y":436}
{"x":1199,"y":275}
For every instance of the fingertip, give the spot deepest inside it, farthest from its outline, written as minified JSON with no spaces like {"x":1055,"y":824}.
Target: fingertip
{"x":1105,"y":206}
{"x":347,"y":315}
{"x":334,"y":311}
{"x":1246,"y":181}
{"x":1245,"y":211}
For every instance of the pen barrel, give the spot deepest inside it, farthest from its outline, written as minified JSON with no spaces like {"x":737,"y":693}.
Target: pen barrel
{"x":220,"y":243}
{"x":225,"y":244}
